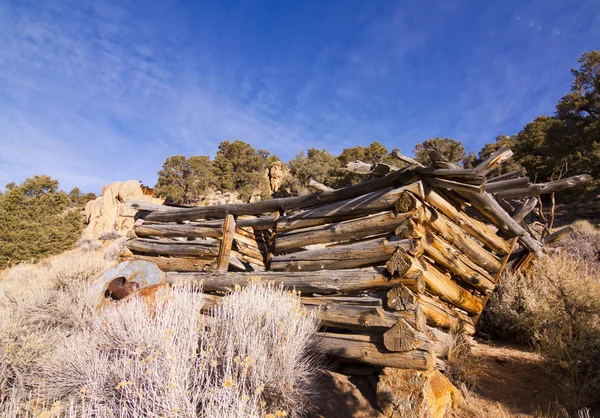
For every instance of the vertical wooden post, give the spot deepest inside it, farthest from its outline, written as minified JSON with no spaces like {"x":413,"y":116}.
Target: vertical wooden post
{"x":226,"y":242}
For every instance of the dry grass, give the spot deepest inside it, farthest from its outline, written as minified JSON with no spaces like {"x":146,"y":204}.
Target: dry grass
{"x":556,"y":308}
{"x":59,"y":357}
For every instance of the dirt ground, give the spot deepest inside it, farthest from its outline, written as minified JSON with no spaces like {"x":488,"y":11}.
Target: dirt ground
{"x":513,"y":384}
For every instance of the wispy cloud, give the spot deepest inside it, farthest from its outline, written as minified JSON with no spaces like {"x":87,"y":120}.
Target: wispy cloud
{"x":99,"y":92}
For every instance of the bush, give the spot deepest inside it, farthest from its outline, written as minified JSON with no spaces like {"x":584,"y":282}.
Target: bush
{"x":36,"y":221}
{"x":60,"y":357}
{"x":557,"y":309}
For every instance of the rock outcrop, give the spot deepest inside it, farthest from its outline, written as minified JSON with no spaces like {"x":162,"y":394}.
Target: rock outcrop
{"x":403,"y":393}
{"x":340,"y":398}
{"x":108,"y":213}
{"x":277,"y":172}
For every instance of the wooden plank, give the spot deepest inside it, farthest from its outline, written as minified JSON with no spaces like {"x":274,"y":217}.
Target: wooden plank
{"x":226,"y":242}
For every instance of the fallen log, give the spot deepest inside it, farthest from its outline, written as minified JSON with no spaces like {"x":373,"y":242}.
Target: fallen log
{"x":366,"y":318}
{"x":450,"y":232}
{"x":524,"y":209}
{"x":324,"y":282}
{"x":359,"y":348}
{"x":341,"y":231}
{"x":362,"y":254}
{"x":438,"y":314}
{"x":400,"y":177}
{"x":445,"y":255}
{"x":179,"y":230}
{"x":319,"y":186}
{"x":472,"y":226}
{"x":180,"y":264}
{"x":174,"y":248}
{"x":536,"y":189}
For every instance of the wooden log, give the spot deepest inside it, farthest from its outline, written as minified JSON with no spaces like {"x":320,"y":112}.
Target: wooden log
{"x":524,"y":209}
{"x":509,"y":184}
{"x":400,"y":177}
{"x":401,"y":298}
{"x":437,"y":282}
{"x":319,"y":186}
{"x":226,"y":242}
{"x":324,"y":282}
{"x":358,"y":348}
{"x":546,"y":188}
{"x":373,"y":318}
{"x":445,"y":255}
{"x":342,"y":300}
{"x":511,"y":174}
{"x":487,"y":205}
{"x":168,"y":264}
{"x":472,"y":226}
{"x":454,"y":185}
{"x":438,"y":314}
{"x":495,"y":159}
{"x":362,"y":254}
{"x":178,"y":230}
{"x":407,"y":160}
{"x":371,"y":202}
{"x":450,"y":232}
{"x":380,"y":169}
{"x":358,"y":167}
{"x":440,"y":340}
{"x":341,"y":231}
{"x":250,"y":251}
{"x":402,"y":337}
{"x":174,"y":248}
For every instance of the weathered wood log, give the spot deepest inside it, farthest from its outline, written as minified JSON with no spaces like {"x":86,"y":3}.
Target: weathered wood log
{"x":319,"y":186}
{"x":440,"y":340}
{"x":438,"y":314}
{"x":400,"y":177}
{"x":381,"y":169}
{"x":342,"y":300}
{"x":226,"y":242}
{"x":487,"y":205}
{"x":174,"y":248}
{"x":509,"y":184}
{"x":403,"y":265}
{"x":454,"y":185}
{"x":373,"y":318}
{"x":472,"y":226}
{"x":358,"y":167}
{"x":402,"y":337}
{"x":362,"y":254}
{"x":324,"y":282}
{"x":511,"y":174}
{"x":524,"y":209}
{"x":401,"y":298}
{"x":372,"y":202}
{"x":407,"y":160}
{"x":445,"y":255}
{"x":415,"y":285}
{"x":178,"y":230}
{"x":341,"y":231}
{"x":180,"y":264}
{"x":450,"y":232}
{"x":495,"y":159}
{"x":546,"y":188}
{"x":437,"y":282}
{"x":358,"y":348}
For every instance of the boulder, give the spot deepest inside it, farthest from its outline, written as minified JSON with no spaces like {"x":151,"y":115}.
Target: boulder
{"x":338,"y":397}
{"x":109,"y":213}
{"x":276,"y":172}
{"x":403,"y":393}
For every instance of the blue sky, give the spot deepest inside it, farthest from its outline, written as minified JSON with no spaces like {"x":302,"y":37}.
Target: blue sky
{"x":94,"y":92}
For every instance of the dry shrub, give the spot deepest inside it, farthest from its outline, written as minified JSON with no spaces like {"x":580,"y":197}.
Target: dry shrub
{"x":557,"y":309}
{"x":464,"y":369}
{"x":59,"y":357}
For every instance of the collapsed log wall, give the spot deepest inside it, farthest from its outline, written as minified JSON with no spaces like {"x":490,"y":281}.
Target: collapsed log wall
{"x":391,"y":264}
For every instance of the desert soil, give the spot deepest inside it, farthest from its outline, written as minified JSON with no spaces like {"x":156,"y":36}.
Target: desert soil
{"x":513,"y":384}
